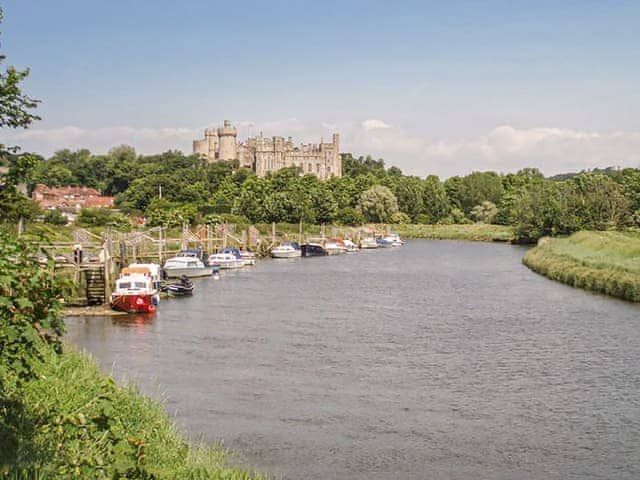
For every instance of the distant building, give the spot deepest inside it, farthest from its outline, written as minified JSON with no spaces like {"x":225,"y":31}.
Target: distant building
{"x":269,"y":154}
{"x":70,"y":198}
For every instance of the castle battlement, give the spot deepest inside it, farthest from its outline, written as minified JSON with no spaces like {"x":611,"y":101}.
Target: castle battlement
{"x":269,"y":154}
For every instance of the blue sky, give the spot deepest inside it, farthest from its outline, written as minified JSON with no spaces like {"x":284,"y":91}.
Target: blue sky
{"x":432,"y":87}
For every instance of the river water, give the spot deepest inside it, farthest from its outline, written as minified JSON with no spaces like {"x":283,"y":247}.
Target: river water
{"x":440,"y":360}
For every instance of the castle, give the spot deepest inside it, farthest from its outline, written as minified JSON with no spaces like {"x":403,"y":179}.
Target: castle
{"x":264,"y":155}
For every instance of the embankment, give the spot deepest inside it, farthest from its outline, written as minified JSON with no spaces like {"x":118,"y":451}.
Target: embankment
{"x":75,"y":422}
{"x":604,"y":262}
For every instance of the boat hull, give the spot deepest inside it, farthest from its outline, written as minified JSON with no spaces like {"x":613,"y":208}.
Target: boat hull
{"x":188,"y":272}
{"x":134,"y":303}
{"x":290,"y":254}
{"x":313,"y":250}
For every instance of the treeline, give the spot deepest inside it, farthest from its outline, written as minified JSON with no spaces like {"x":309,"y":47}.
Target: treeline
{"x":172,"y":188}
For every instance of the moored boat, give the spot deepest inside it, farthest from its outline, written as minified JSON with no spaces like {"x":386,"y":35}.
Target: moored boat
{"x":191,"y":267}
{"x":335,"y":246}
{"x":394,"y":238}
{"x":384,"y":243}
{"x":136,"y":291}
{"x":350,"y":246}
{"x":182,"y":288}
{"x":226,"y":260}
{"x":287,"y":250}
{"x":368,"y":243}
{"x":312,"y":250}
{"x":249,"y":258}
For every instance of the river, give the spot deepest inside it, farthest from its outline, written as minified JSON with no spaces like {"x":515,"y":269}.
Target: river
{"x":439,"y":360}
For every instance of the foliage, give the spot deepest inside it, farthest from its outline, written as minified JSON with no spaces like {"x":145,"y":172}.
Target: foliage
{"x":349,"y":216}
{"x":102,"y":217}
{"x":55,"y":217}
{"x":29,"y":311}
{"x":400,"y":217}
{"x":485,"y":212}
{"x":377,"y":204}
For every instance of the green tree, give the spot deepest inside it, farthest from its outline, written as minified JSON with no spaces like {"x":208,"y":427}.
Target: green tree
{"x":378,"y":204}
{"x":435,"y":202}
{"x":410,"y":193}
{"x":485,"y":212}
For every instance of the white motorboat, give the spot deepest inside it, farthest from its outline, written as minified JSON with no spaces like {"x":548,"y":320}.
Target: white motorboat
{"x":335,"y":247}
{"x":350,"y":246}
{"x":394,"y":239}
{"x":226,"y":260}
{"x":191,"y":267}
{"x":287,"y":250}
{"x":249,"y":258}
{"x":368,"y":242}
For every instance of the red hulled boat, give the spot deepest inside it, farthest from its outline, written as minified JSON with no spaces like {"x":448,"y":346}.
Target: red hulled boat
{"x":136,"y":290}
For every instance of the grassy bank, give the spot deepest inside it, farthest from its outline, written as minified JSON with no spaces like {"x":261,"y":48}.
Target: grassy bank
{"x":75,"y":422}
{"x":476,"y":232}
{"x":605,"y":262}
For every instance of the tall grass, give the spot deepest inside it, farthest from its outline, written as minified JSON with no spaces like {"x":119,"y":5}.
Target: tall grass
{"x":605,"y":262}
{"x":474,"y":231}
{"x":75,"y":422}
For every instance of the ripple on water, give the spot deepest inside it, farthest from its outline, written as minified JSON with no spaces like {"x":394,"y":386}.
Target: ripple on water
{"x":435,"y":360}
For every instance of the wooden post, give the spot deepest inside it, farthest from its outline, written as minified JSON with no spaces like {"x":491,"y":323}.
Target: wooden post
{"x":273,"y":233}
{"x":108,"y":259}
{"x":300,"y":232}
{"x":224,"y":235}
{"x":243,"y":245}
{"x":160,"y":245}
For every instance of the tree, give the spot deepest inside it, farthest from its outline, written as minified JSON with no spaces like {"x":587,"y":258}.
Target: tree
{"x":378,"y":204}
{"x":410,"y":191}
{"x":485,"y":212}
{"x":435,"y":202}
{"x":15,"y":112}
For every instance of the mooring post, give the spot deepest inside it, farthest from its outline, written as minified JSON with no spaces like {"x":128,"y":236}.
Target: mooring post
{"x":300,"y":232}
{"x":273,"y":233}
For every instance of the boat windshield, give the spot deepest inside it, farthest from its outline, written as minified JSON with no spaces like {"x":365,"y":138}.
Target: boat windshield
{"x":124,"y":285}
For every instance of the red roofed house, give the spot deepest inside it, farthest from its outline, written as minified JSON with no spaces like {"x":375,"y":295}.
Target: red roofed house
{"x":70,"y":198}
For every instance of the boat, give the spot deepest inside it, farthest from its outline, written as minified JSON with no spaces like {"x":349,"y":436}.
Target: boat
{"x":350,"y":246}
{"x":180,"y":289}
{"x":227,"y":259}
{"x":394,"y":238}
{"x":287,"y":250}
{"x":136,"y":291}
{"x":249,"y":258}
{"x":312,"y":250}
{"x":384,"y":243}
{"x":189,"y":266}
{"x":368,"y":243}
{"x":335,"y":246}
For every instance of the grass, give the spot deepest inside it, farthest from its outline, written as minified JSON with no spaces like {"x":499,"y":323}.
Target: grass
{"x":605,"y":262}
{"x":75,"y":422}
{"x":479,"y":232}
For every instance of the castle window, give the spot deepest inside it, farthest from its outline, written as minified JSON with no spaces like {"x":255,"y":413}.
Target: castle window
{"x":309,"y":168}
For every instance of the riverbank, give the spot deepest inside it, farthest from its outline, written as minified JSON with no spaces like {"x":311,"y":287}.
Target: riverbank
{"x":73,"y":421}
{"x":604,"y":262}
{"x":478,"y":232}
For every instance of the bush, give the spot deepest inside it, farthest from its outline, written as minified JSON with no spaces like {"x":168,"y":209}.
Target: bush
{"x":55,"y":217}
{"x":400,"y":218}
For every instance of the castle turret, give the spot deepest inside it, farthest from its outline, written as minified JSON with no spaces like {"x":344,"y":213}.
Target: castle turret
{"x":227,"y":146}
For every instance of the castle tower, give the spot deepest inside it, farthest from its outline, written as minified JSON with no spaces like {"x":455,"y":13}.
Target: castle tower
{"x":227,"y":147}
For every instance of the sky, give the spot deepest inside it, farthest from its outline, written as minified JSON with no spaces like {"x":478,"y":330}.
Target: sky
{"x":440,"y":88}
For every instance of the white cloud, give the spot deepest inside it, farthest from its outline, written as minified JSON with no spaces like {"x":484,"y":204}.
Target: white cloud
{"x":504,"y":148}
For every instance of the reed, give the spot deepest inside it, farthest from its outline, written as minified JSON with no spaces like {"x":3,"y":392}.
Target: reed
{"x":604,"y":262}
